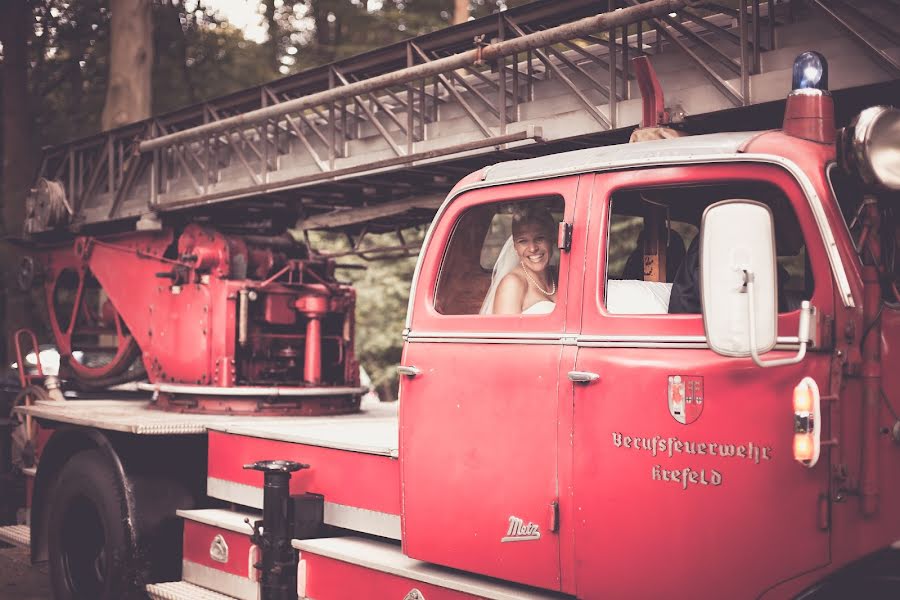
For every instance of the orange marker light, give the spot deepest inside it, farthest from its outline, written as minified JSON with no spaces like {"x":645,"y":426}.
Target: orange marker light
{"x":803,"y":398}
{"x":803,"y":447}
{"x":807,"y":422}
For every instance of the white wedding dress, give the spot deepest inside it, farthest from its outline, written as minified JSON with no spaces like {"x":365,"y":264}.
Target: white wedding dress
{"x":543,"y":307}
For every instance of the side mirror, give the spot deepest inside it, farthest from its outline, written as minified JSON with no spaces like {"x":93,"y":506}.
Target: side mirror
{"x":739,"y":284}
{"x":738,"y":243}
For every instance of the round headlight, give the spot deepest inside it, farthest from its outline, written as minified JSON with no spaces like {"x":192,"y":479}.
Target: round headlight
{"x":871,"y":147}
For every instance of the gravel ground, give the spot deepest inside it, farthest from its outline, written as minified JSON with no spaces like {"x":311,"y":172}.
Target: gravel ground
{"x":18,"y":579}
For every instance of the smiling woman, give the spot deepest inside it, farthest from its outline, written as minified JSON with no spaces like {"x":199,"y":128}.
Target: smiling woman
{"x":502,"y":260}
{"x":529,"y":287}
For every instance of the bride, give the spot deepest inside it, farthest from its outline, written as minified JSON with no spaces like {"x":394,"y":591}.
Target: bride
{"x":524,"y":281}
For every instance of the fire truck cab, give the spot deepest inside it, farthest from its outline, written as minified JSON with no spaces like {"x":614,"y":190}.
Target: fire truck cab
{"x":660,"y":426}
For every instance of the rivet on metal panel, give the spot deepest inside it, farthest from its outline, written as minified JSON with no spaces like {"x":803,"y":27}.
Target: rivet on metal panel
{"x":414,"y":594}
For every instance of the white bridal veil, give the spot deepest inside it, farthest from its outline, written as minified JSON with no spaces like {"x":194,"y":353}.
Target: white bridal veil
{"x":507,"y":260}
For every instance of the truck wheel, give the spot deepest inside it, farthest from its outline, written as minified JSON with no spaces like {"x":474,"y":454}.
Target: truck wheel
{"x":89,"y":546}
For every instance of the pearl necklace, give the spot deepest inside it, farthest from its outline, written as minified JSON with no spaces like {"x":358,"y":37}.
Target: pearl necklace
{"x":535,"y":283}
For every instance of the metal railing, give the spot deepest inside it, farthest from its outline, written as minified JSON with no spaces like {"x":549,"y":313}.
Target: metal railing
{"x":486,"y":84}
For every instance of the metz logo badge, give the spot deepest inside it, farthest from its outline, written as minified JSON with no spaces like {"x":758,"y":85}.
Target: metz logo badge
{"x":685,"y":398}
{"x":520,"y":531}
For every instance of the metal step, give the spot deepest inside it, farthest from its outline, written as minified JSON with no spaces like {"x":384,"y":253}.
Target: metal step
{"x":17,"y":535}
{"x":347,"y":554}
{"x":182,"y":590}
{"x":217,"y":555}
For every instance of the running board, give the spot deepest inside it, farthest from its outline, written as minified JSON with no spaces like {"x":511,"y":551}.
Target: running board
{"x":218,"y":554}
{"x":17,"y":535}
{"x":352,"y":567}
{"x":182,"y":590}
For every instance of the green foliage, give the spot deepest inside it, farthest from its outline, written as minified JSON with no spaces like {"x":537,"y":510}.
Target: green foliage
{"x":314,"y":32}
{"x":68,"y":66}
{"x":382,"y":294}
{"x":199,"y":58}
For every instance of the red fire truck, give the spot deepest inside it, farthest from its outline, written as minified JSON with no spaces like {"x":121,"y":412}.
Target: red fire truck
{"x":658,"y":369}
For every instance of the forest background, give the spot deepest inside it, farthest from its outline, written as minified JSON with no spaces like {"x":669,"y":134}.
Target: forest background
{"x":69,"y":69}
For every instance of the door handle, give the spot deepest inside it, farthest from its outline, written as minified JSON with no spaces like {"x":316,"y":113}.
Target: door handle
{"x":583,"y":376}
{"x":409,"y":371}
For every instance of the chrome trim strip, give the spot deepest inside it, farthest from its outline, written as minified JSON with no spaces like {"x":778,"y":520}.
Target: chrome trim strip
{"x":492,"y":335}
{"x":647,"y":344}
{"x":363,"y":520}
{"x":818,"y":210}
{"x":223,"y":582}
{"x":662,"y":339}
{"x":474,"y":337}
{"x":834,"y":257}
{"x":582,"y":341}
{"x":241,"y":391}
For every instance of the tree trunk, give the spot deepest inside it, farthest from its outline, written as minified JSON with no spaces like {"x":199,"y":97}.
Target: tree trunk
{"x":18,"y":157}
{"x":274,"y":32}
{"x":128,"y":97}
{"x":460,"y":11}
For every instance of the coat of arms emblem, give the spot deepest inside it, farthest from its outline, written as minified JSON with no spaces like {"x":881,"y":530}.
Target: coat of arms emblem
{"x":685,"y":396}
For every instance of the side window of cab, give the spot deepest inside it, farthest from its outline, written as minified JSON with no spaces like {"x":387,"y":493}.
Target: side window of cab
{"x":653,"y":247}
{"x":502,"y":259}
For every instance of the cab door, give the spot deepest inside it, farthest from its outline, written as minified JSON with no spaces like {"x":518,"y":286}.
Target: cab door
{"x":480,"y":402}
{"x":685,"y":483}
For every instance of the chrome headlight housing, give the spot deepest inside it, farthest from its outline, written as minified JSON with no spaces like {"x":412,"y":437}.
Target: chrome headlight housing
{"x":870,"y":147}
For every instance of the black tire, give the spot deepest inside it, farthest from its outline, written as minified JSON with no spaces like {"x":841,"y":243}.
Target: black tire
{"x":89,"y":544}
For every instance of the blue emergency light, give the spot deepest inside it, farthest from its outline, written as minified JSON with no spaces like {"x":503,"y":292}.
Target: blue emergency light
{"x":810,"y":72}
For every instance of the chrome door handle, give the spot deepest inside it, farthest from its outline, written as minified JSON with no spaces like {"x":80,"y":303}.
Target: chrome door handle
{"x":409,"y":371}
{"x":583,"y":376}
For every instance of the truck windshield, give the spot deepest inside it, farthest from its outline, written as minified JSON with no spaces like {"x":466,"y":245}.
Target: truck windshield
{"x":653,"y":260}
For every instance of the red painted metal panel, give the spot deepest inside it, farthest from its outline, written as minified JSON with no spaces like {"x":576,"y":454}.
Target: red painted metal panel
{"x":129,"y":291}
{"x":180,"y":327}
{"x":567,"y":512}
{"x":566,"y":418}
{"x":478,"y":448}
{"x":350,"y":478}
{"x":198,"y":537}
{"x":330,"y":579}
{"x":718,"y":500}
{"x":483,"y":437}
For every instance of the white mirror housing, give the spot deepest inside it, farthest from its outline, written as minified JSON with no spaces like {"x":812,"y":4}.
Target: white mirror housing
{"x":737,"y":261}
